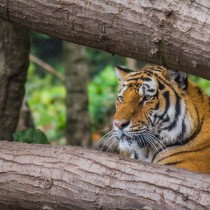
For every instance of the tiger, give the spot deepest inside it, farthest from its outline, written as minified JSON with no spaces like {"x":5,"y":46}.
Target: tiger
{"x":162,"y":117}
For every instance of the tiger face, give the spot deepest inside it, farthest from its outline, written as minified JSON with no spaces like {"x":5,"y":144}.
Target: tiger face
{"x":151,"y":111}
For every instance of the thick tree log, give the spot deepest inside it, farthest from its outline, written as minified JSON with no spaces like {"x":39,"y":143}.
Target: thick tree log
{"x":53,"y":177}
{"x":76,"y":71}
{"x":14,"y":60}
{"x":173,"y":33}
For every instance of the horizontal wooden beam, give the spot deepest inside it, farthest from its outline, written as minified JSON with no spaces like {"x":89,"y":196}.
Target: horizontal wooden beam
{"x":55,"y":177}
{"x":171,"y":33}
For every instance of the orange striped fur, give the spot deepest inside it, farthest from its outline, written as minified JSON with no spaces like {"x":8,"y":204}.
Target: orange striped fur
{"x":162,"y":117}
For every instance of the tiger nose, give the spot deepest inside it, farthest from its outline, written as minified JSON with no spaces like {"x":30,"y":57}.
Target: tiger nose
{"x":122,"y":123}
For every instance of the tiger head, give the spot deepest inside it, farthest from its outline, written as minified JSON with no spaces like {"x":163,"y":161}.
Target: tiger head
{"x":151,"y":108}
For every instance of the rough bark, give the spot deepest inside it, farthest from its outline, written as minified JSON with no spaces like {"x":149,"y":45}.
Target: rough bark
{"x":14,"y":53}
{"x":25,"y":120}
{"x":173,"y":33}
{"x":76,"y":71}
{"x":53,"y":177}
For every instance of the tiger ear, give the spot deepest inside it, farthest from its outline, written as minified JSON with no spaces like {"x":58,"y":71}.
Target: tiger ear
{"x":121,"y":72}
{"x":178,"y":77}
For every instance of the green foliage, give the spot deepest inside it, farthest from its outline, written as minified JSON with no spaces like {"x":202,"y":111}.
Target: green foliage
{"x":31,"y":136}
{"x":47,"y":103}
{"x":102,"y":92}
{"x":99,"y":60}
{"x":47,"y":48}
{"x":202,"y":83}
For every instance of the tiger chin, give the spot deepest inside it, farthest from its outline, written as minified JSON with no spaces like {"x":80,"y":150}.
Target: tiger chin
{"x":162,"y":117}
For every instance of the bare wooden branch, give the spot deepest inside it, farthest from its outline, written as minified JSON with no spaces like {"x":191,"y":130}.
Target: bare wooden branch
{"x":172,"y":33}
{"x":46,"y":67}
{"x":53,"y":177}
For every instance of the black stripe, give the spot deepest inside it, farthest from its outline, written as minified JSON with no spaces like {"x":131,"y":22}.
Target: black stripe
{"x":146,"y":85}
{"x":154,"y":68}
{"x":158,"y":68}
{"x":132,"y":79}
{"x":183,"y":129}
{"x":174,"y":163}
{"x":177,"y":113}
{"x":158,"y":103}
{"x":170,"y":127}
{"x":200,"y":93}
{"x":167,"y":119}
{"x":166,"y":96}
{"x":178,"y":143}
{"x":158,"y":118}
{"x":161,"y":86}
{"x":136,"y":156}
{"x":163,"y":81}
{"x":147,"y":79}
{"x":151,"y":90}
{"x":209,"y":103}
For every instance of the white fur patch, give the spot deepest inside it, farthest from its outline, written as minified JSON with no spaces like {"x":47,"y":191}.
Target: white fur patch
{"x":148,"y":85}
{"x":122,"y":90}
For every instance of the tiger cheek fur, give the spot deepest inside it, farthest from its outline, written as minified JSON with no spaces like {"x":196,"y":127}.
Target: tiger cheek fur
{"x":162,"y":117}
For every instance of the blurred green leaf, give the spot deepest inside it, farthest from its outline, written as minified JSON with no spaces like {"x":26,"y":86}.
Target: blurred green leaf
{"x":102,"y":91}
{"x":35,"y":136}
{"x":202,"y":83}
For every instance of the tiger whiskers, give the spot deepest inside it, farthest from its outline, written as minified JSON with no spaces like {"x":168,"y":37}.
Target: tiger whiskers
{"x":141,"y":140}
{"x":105,"y":129}
{"x":111,"y":143}
{"x":150,"y":142}
{"x":104,"y":137}
{"x":147,"y":136}
{"x":156,"y":140}
{"x":107,"y":141}
{"x":159,"y":143}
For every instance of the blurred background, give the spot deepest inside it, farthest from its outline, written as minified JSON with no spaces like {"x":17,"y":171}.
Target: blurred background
{"x":70,"y":93}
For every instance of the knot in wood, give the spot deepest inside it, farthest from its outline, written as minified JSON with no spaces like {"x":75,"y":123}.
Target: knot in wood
{"x":195,"y":64}
{"x":157,"y":39}
{"x":168,"y":12}
{"x":162,"y":22}
{"x":48,"y":182}
{"x":47,"y":207}
{"x":154,"y":51}
{"x":147,"y":208}
{"x":103,"y":38}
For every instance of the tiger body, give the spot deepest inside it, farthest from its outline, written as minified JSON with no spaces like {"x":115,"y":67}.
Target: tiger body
{"x":163,"y":118}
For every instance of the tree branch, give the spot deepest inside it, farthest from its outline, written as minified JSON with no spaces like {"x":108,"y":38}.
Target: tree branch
{"x":171,"y":33}
{"x":54,"y":177}
{"x":46,"y":67}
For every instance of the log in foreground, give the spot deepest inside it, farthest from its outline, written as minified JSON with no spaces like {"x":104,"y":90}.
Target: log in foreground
{"x":55,"y":177}
{"x":172,"y":33}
